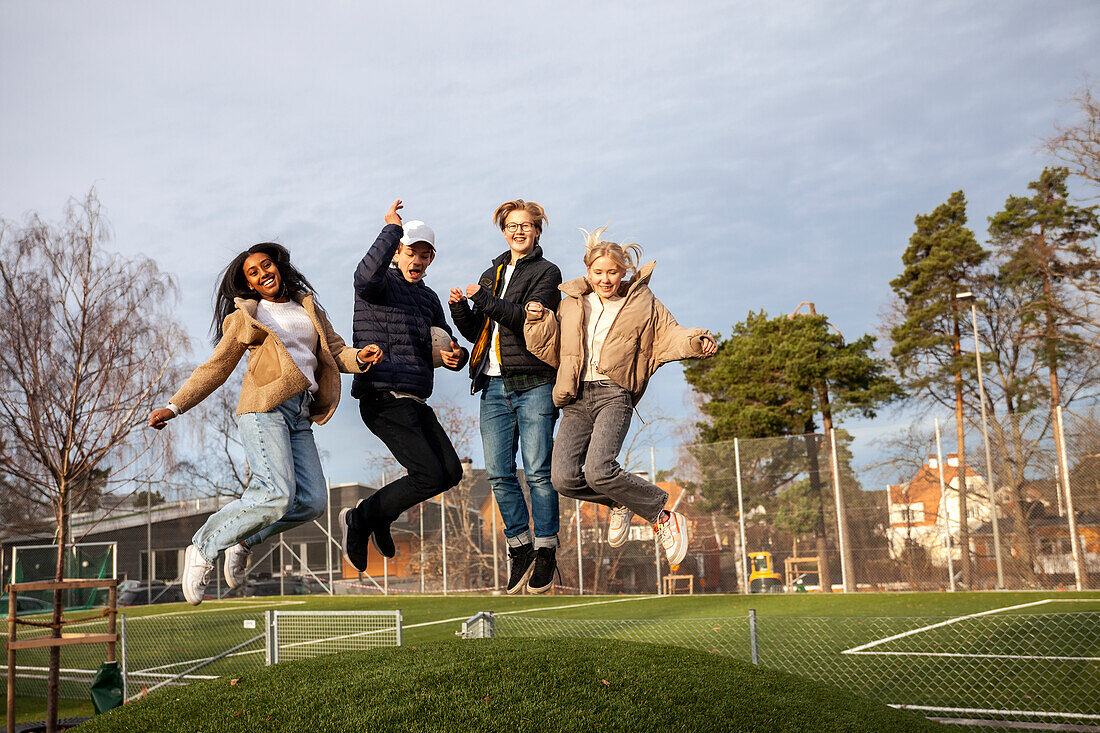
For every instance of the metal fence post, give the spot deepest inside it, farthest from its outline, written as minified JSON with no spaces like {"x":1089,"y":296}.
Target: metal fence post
{"x":753,"y":648}
{"x":399,"y":624}
{"x":271,"y":637}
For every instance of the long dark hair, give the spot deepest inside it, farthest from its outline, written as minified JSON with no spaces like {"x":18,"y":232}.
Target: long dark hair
{"x":234,"y":285}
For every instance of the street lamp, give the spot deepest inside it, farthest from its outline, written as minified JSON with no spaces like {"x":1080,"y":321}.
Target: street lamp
{"x":968,"y":297}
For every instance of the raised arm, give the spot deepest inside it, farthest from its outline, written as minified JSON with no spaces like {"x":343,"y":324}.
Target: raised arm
{"x":372,"y":268}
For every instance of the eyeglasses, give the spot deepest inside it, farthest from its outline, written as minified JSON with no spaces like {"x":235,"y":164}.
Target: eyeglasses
{"x":524,"y":227}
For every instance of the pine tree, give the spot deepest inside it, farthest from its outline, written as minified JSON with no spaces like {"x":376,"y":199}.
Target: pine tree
{"x":772,"y":377}
{"x":942,"y":258}
{"x":1047,"y":248}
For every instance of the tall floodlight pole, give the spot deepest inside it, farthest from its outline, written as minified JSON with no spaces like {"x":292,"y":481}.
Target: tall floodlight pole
{"x":443,"y":537}
{"x":149,"y":546}
{"x":1074,"y":539}
{"x":328,"y":531}
{"x":496,"y":551}
{"x":420,"y":511}
{"x":580,"y":568}
{"x":741,"y":516}
{"x":944,"y":510}
{"x":969,"y":297}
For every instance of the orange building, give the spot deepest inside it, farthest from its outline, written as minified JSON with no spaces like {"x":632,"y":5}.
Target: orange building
{"x":921,"y":514}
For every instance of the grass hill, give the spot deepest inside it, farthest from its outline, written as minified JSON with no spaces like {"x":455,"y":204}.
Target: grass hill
{"x":511,"y":685}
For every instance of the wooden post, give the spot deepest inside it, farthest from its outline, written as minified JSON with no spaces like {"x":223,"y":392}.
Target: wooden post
{"x":50,"y":641}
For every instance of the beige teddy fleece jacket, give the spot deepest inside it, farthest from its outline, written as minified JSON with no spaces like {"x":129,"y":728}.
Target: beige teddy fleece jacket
{"x":272,"y":377}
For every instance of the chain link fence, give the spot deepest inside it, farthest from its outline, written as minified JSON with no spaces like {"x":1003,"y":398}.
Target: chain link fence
{"x":1006,"y":671}
{"x":788,"y":514}
{"x":183,"y":647}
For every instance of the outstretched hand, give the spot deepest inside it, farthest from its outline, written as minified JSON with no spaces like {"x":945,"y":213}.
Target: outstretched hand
{"x":710,"y":346}
{"x":392,"y":217}
{"x":159,"y":418}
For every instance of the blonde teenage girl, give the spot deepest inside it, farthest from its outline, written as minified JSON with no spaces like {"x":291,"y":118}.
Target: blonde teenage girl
{"x":609,"y":336}
{"x":264,"y":306}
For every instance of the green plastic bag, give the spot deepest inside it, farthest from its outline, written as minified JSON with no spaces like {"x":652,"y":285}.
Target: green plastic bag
{"x":107,"y":687}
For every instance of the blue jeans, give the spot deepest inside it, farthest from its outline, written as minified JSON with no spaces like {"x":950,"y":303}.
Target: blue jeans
{"x":524,"y":420}
{"x":286,"y":486}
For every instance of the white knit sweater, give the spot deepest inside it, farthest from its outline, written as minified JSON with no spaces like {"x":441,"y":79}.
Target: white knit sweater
{"x":292,"y":325}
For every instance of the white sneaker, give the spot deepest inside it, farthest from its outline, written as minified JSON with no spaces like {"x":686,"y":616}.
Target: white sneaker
{"x":236,"y":565}
{"x":196,"y":574}
{"x":618,"y":526}
{"x":672,"y":533}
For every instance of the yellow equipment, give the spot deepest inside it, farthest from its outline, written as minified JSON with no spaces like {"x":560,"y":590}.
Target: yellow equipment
{"x":762,"y":578}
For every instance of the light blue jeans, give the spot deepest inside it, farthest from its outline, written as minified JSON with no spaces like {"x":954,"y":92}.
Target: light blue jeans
{"x":523,"y":420}
{"x":286,"y":485}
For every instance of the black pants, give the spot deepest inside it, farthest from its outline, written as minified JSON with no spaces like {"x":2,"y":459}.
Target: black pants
{"x":414,"y":436}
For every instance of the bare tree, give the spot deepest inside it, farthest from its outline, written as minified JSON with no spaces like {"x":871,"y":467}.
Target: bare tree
{"x":214,"y":464}
{"x":85,"y":338}
{"x":464,"y":532}
{"x":1078,"y":145}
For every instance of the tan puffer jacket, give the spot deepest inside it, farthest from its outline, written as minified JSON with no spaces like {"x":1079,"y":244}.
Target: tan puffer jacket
{"x":643,"y":336}
{"x":272,"y":377}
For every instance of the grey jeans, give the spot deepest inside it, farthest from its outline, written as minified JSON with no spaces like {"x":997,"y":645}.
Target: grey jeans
{"x":584,"y":464}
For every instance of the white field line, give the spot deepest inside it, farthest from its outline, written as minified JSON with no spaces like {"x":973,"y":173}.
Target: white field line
{"x":1029,"y":657}
{"x":948,"y":622}
{"x":414,"y":626}
{"x":250,"y":606}
{"x":89,"y":673}
{"x":533,"y":610}
{"x":984,"y":711}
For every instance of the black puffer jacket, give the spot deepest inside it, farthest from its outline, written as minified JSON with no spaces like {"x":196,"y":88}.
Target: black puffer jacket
{"x":535,"y":278}
{"x":398,"y":316}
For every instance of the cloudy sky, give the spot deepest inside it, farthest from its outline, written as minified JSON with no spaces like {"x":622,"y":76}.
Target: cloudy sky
{"x":763,"y":153}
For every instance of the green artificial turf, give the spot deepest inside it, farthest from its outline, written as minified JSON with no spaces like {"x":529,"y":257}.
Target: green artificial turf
{"x":512,"y":685}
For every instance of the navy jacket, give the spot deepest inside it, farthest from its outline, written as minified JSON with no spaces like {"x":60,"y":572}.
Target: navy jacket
{"x":398,"y":316}
{"x":535,"y":278}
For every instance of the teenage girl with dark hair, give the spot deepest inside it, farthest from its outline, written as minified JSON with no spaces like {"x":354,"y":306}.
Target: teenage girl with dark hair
{"x":265,"y":306}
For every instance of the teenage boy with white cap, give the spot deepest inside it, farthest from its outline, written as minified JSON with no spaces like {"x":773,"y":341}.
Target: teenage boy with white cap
{"x":396,"y":310}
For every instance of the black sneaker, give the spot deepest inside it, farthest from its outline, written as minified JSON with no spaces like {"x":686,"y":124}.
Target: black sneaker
{"x":542,"y":577}
{"x":382,"y":540}
{"x":523,"y":562}
{"x":352,"y":542}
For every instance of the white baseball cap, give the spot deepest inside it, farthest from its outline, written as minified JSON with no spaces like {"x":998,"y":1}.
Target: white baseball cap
{"x":418,"y":231}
